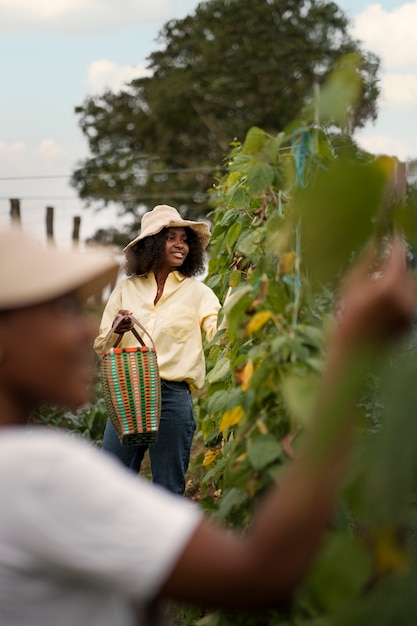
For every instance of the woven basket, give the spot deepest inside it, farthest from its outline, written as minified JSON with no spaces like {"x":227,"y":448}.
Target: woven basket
{"x":132,"y":387}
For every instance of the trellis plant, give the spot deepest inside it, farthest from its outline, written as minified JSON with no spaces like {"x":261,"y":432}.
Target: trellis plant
{"x":288,"y":218}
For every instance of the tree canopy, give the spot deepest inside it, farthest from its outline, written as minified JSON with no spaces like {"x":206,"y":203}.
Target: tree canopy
{"x":231,"y":65}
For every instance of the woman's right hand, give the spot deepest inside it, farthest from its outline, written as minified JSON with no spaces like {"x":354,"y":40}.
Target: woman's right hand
{"x":125,"y":321}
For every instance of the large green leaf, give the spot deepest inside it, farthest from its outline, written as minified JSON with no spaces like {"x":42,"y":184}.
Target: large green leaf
{"x":219,"y":371}
{"x":300,"y":396}
{"x":260,"y":176}
{"x":233,"y":498}
{"x":338,"y":213}
{"x":248,"y":242}
{"x":263,"y":451}
{"x":341,"y":91}
{"x":254,"y":140}
{"x":340,"y":572}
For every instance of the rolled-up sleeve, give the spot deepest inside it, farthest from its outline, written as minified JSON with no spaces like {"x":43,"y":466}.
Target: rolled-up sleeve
{"x":113,"y":306}
{"x":209,"y":313}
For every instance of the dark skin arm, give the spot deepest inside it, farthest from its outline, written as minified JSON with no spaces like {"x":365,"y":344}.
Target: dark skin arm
{"x":219,"y":569}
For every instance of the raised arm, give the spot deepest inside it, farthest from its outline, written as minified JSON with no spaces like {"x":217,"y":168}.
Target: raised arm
{"x":222,"y":570}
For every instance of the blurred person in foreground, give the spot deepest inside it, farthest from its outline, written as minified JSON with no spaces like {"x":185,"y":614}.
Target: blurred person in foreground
{"x":175,"y":308}
{"x":82,"y":540}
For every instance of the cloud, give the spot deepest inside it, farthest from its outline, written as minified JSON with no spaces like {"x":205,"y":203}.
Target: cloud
{"x":49,"y":149}
{"x":399,"y":90}
{"x":107,"y":75}
{"x":80,"y":16}
{"x":390,"y":34}
{"x":383,"y":144}
{"x":13,"y":148}
{"x":19,"y":158}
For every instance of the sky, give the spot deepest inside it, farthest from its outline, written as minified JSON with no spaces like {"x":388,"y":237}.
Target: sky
{"x":54,"y":53}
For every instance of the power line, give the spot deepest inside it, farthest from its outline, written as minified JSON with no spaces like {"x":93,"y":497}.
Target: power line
{"x":47,"y":197}
{"x":65,"y":198}
{"x":116,"y":174}
{"x":37,"y":177}
{"x":119,"y":198}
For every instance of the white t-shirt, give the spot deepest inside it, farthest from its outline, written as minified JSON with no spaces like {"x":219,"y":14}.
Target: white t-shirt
{"x":81,"y":538}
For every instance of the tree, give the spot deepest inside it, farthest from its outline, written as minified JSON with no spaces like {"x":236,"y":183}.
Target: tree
{"x":231,"y":65}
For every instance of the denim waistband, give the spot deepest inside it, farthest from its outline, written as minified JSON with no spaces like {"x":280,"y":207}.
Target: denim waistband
{"x":181,"y":384}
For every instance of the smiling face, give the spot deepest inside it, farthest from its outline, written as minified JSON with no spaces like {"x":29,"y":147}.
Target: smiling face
{"x":46,"y":355}
{"x":176,"y":248}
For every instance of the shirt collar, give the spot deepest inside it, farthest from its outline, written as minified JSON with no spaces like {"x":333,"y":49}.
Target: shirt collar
{"x":180,"y":277}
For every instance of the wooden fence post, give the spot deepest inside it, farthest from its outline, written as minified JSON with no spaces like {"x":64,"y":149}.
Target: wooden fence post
{"x":15,"y":211}
{"x":401,"y":186}
{"x":50,"y":224}
{"x":76,"y":231}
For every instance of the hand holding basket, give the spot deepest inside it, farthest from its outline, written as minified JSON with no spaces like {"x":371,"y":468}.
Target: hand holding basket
{"x":131,"y":385}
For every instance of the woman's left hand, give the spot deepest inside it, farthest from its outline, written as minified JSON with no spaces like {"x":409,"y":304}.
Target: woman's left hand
{"x":125,"y":321}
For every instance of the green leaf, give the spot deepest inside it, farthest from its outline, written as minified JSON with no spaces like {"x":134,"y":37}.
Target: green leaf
{"x":240,"y":163}
{"x":217,"y":402}
{"x":260,"y":177}
{"x":311,"y":335}
{"x":337,"y":215}
{"x":236,"y":296}
{"x":229,"y":217}
{"x":341,"y":91}
{"x":248,"y":243}
{"x":273,"y":147}
{"x":233,"y":498}
{"x":300,"y":395}
{"x":254,"y":140}
{"x":340,"y":573}
{"x":231,"y":236}
{"x":241,"y":198}
{"x":214,"y":281}
{"x":219,"y":371}
{"x":263,"y":451}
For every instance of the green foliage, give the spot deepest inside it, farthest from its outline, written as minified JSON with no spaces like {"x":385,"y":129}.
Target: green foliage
{"x":272,"y":345}
{"x":226,"y":68}
{"x":345,"y":199}
{"x":88,"y":421}
{"x":334,"y":586}
{"x":290,"y":214}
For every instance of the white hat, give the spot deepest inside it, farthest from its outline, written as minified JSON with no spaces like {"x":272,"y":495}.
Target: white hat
{"x":165,"y":216}
{"x":31,"y":273}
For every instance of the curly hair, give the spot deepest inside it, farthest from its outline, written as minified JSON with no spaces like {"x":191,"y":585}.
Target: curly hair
{"x":147,"y":254}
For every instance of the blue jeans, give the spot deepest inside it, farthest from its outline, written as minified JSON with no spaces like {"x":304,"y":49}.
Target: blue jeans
{"x":170,"y":455}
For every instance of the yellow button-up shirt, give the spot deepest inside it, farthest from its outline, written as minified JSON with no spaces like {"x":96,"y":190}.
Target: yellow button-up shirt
{"x":186,"y":308}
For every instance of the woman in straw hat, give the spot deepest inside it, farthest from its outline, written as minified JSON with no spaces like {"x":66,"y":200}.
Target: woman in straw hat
{"x":175,"y":309}
{"x":82,"y":540}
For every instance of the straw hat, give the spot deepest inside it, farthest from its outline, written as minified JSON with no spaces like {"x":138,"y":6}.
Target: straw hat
{"x":31,"y":273}
{"x":165,"y":216}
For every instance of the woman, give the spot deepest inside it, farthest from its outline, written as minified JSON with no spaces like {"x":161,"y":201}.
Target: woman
{"x":82,"y":540}
{"x":175,"y":309}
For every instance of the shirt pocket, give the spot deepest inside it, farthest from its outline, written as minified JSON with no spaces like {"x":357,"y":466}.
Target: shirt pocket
{"x":179,"y":322}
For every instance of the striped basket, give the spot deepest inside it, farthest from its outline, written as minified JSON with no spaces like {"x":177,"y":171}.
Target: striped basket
{"x":132,"y":387}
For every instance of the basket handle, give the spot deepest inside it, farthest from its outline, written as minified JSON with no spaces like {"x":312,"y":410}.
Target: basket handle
{"x":117,"y":320}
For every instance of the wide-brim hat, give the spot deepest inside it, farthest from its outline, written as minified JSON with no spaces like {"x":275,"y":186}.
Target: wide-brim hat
{"x":32,"y":273}
{"x":165,"y":216}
